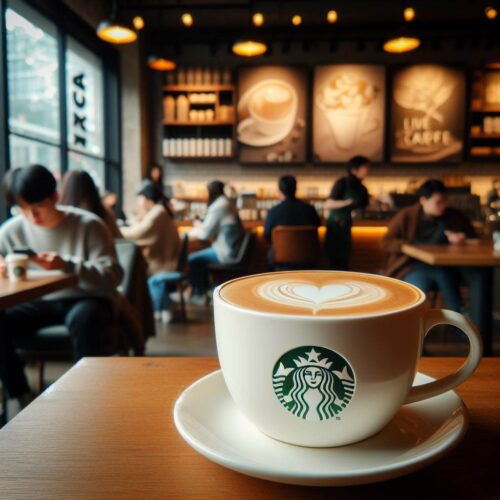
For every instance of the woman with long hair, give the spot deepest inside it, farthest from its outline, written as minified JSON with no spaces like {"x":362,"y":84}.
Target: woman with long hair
{"x":79,"y":190}
{"x":223,"y":228}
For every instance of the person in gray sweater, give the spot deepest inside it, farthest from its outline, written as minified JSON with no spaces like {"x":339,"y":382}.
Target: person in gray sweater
{"x":67,"y":239}
{"x":221,"y":226}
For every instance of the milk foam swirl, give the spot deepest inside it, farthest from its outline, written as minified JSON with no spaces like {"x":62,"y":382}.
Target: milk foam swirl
{"x":306,"y":295}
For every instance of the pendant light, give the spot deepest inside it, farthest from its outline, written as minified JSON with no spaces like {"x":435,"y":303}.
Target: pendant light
{"x":112,"y":31}
{"x":161,"y":63}
{"x":404,"y":41}
{"x":249,"y":48}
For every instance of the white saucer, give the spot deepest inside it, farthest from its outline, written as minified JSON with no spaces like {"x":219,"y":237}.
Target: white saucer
{"x":249,"y":135}
{"x":419,"y":434}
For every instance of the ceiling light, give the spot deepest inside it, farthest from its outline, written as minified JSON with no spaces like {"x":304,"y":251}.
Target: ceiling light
{"x":491,"y":12}
{"x":187,"y":19}
{"x":114,"y":32}
{"x":297,"y":20}
{"x":332,"y":16}
{"x":138,"y":22}
{"x":401,"y":44}
{"x":161,"y":63}
{"x":409,"y":14}
{"x":258,"y":19}
{"x":249,"y":48}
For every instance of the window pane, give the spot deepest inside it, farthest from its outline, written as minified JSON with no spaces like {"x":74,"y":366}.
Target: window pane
{"x":32,"y":68}
{"x":84,"y":90}
{"x":24,"y":152}
{"x":91,"y":165}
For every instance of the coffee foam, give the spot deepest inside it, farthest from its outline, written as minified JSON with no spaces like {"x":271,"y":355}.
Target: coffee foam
{"x":320,"y":293}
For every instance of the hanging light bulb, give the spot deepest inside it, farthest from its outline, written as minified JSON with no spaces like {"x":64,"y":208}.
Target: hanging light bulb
{"x":112,"y":31}
{"x":401,"y":44}
{"x":258,"y":19}
{"x":297,"y":20}
{"x":249,"y":48}
{"x":187,"y":19}
{"x":491,"y":13}
{"x":409,"y":14}
{"x":161,"y":63}
{"x":138,"y":22}
{"x":332,"y":16}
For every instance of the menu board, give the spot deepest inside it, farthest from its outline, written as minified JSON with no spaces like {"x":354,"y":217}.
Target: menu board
{"x":348,"y":113}
{"x":428,"y":114}
{"x":272,"y":110}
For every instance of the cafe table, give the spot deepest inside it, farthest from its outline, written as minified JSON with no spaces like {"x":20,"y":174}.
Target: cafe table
{"x":479,"y":257}
{"x":37,"y":284}
{"x":105,"y":429}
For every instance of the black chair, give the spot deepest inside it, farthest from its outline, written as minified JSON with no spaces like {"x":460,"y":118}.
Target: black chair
{"x":53,"y":343}
{"x":219,"y":273}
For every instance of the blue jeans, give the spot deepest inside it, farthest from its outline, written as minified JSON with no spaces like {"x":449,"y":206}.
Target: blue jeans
{"x":438,"y":278}
{"x":198,"y":274}
{"x":159,"y":287}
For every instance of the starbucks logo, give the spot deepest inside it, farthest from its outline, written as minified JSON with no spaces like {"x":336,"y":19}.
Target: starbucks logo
{"x":313,"y":383}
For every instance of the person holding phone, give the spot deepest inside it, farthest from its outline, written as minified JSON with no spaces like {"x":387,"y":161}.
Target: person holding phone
{"x":61,"y":238}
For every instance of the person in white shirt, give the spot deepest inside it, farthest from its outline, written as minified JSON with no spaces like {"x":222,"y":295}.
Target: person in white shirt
{"x":221,"y":226}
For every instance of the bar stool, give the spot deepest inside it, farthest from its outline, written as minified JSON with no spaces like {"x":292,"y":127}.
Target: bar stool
{"x":295,"y":247}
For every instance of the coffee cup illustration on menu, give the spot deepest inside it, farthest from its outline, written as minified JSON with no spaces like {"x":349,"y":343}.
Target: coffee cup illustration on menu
{"x":267,"y":113}
{"x":347,"y":103}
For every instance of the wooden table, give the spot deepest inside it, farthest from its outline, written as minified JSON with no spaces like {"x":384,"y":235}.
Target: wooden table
{"x":472,"y":254}
{"x":106,"y":430}
{"x":479,"y":255}
{"x":39,"y":283}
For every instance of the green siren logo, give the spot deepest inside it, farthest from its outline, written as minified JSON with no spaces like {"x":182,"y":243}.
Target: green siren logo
{"x":313,"y":383}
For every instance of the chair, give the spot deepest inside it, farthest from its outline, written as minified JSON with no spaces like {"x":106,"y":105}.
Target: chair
{"x":295,"y":247}
{"x":178,"y":277}
{"x":53,"y":343}
{"x":219,"y":273}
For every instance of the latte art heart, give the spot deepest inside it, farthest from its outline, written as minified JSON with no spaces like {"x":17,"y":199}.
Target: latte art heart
{"x":333,"y":296}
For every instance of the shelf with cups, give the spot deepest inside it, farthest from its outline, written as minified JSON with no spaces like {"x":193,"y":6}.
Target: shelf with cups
{"x":199,"y":122}
{"x":484,"y":134}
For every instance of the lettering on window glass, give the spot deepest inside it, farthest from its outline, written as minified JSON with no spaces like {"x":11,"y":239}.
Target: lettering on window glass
{"x":80,"y":112}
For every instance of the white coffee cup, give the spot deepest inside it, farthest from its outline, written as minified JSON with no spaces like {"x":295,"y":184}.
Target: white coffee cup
{"x":17,"y":266}
{"x":272,"y":107}
{"x":380,"y":353}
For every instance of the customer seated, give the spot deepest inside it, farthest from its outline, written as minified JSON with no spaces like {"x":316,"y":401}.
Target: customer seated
{"x":223,"y":228}
{"x":430,"y":221}
{"x":67,"y":239}
{"x":289,"y":212}
{"x":155,"y":232}
{"x":78,"y":190}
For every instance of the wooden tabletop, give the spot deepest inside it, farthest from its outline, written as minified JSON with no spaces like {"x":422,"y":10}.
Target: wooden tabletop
{"x":472,"y":253}
{"x":105,"y":430}
{"x":35,"y":286}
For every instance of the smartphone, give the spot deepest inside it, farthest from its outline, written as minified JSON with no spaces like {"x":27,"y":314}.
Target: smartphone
{"x":28,"y":251}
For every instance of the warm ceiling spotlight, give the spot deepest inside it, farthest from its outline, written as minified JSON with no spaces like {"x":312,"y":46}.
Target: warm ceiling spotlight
{"x":297,"y":20}
{"x":409,"y":14}
{"x":187,"y":19}
{"x":491,"y":12}
{"x":332,"y":16}
{"x":401,"y":44}
{"x":161,"y":63}
{"x":258,"y":19}
{"x":138,"y":22}
{"x":249,"y":48}
{"x":114,"y":32}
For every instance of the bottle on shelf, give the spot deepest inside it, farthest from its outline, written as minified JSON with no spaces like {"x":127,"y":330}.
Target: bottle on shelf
{"x":216,"y":76}
{"x":207,"y":76}
{"x":198,"y":76}
{"x":190,"y":76}
{"x":169,"y":108}
{"x":182,"y":108}
{"x":181,"y":76}
{"x":226,"y":76}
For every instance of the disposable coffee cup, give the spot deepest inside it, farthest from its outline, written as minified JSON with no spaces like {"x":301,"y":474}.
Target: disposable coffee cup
{"x":326,"y":358}
{"x":17,"y":266}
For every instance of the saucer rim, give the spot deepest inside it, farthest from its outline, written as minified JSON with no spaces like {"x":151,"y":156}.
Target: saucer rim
{"x":308,"y":478}
{"x":247,"y":122}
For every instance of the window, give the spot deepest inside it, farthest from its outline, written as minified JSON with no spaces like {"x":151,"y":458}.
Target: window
{"x":32,"y":68}
{"x":26,"y":151}
{"x":91,"y":165}
{"x":84,"y":95}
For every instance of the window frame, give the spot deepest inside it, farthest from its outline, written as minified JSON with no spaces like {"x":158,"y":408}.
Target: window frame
{"x":68,"y":24}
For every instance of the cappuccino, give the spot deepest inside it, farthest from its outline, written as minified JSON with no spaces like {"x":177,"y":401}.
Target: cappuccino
{"x":320,"y":293}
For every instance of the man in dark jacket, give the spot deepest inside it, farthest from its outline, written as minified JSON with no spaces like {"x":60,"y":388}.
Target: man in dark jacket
{"x":430,"y":222}
{"x":290,"y":212}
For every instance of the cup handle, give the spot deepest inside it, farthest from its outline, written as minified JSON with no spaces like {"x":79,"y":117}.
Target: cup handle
{"x":435,"y":317}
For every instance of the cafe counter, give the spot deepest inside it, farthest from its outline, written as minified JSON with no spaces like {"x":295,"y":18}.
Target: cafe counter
{"x":367,"y":256}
